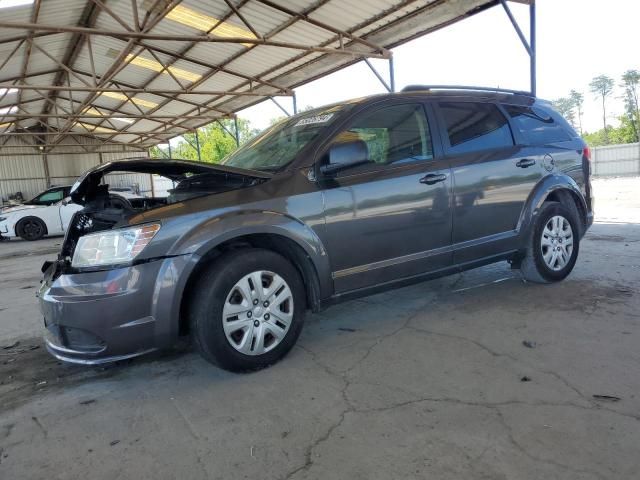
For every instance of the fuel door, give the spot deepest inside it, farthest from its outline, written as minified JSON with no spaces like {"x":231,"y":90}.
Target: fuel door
{"x":548,"y":163}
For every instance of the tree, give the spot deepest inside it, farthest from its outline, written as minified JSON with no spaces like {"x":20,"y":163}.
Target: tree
{"x":602,"y":86}
{"x":578,"y":101}
{"x":216,"y":141}
{"x":624,"y":133}
{"x":631,"y":85}
{"x":565,"y":107}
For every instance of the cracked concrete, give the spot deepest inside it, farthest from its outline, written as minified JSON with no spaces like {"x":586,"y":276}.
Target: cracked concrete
{"x":422,"y":382}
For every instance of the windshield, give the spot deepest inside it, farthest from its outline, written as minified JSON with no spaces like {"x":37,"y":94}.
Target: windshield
{"x":278,"y":145}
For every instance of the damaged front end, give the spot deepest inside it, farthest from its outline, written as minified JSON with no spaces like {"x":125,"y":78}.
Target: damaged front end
{"x":104,"y":210}
{"x":108,"y":296}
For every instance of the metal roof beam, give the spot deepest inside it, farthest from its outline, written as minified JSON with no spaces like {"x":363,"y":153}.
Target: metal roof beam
{"x":35,"y":11}
{"x":30,"y":75}
{"x":114,"y":114}
{"x":152,"y":91}
{"x":175,"y":57}
{"x":120,"y":62}
{"x":159,"y":93}
{"x":218,"y":68}
{"x":190,"y":38}
{"x":305,"y":18}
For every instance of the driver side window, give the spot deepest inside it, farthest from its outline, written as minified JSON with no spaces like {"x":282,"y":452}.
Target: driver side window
{"x":392,"y":135}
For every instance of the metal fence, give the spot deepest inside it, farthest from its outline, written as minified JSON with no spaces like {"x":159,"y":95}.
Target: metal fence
{"x":616,"y":160}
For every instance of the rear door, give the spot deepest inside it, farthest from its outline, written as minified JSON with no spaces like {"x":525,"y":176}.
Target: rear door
{"x":391,"y":218}
{"x":492,"y":175}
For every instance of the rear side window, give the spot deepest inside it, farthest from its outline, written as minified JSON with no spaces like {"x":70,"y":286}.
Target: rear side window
{"x":537,"y":126}
{"x":475,"y":126}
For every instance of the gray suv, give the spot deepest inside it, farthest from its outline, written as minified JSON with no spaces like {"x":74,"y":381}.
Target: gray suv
{"x":331,"y":204}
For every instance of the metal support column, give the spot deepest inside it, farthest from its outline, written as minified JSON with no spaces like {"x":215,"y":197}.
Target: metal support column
{"x":529,"y":45}
{"x":169,"y":143}
{"x":379,"y":77}
{"x":45,"y":164}
{"x":532,"y":41}
{"x":284,"y":110}
{"x":392,"y":75}
{"x":198,"y":145}
{"x":295,"y":103}
{"x":236,"y":130}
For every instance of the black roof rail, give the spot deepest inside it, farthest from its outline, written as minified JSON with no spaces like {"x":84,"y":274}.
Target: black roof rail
{"x":417,"y":88}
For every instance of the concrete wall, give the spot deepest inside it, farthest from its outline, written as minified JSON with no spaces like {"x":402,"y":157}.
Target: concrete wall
{"x":616,"y":160}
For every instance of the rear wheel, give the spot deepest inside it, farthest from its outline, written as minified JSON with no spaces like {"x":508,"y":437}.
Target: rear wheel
{"x":247,"y":310}
{"x":31,"y":228}
{"x":553,"y":245}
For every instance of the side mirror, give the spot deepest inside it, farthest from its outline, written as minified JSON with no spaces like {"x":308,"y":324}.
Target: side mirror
{"x":346,"y":155}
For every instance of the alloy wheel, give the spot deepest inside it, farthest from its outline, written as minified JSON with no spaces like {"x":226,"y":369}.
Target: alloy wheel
{"x":32,"y":229}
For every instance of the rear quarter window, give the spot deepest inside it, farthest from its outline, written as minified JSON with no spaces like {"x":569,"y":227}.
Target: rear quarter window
{"x":537,"y":126}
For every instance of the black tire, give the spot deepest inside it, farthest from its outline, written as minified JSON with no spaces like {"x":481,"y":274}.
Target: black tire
{"x":210,"y":293}
{"x":533,"y":266}
{"x":31,"y":229}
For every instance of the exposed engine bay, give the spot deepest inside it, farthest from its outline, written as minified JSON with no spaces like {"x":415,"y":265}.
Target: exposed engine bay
{"x":104,"y":210}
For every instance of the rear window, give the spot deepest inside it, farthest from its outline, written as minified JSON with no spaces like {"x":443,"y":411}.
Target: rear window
{"x":537,"y":126}
{"x":475,"y":126}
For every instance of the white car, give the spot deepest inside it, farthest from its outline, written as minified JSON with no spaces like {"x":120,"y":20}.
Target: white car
{"x":32,"y":222}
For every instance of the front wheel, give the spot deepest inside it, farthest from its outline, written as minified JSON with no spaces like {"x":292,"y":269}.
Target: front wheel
{"x":553,"y":245}
{"x":247,"y":310}
{"x":31,"y":228}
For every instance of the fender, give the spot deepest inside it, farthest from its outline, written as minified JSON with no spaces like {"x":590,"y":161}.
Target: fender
{"x":538,"y":195}
{"x":215,"y":231}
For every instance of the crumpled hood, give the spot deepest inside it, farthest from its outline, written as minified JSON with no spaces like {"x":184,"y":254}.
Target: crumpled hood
{"x":174,"y":169}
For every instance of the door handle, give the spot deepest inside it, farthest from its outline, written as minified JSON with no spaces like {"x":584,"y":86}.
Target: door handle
{"x":433,"y":178}
{"x":525,"y":162}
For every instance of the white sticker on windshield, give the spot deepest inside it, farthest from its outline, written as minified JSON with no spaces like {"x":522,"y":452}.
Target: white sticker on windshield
{"x":315,"y":119}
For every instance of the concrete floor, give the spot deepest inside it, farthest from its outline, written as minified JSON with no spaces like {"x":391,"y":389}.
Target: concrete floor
{"x":423,"y":382}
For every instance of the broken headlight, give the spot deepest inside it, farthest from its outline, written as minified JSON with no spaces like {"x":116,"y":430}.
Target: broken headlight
{"x":112,"y":247}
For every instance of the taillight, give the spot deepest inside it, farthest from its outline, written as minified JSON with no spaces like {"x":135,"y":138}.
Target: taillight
{"x":586,"y":160}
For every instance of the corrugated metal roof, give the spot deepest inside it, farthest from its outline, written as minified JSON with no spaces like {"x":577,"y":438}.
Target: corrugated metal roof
{"x":181,"y":72}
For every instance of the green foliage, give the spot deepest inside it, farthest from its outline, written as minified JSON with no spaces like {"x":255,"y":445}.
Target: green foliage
{"x":377,"y":140}
{"x":602,"y":86}
{"x":215,"y":142}
{"x":577,"y":99}
{"x":625,"y":133}
{"x":566,"y":107}
{"x":631,"y":86}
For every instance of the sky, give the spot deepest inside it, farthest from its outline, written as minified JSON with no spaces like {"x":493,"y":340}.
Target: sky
{"x":576,"y":41}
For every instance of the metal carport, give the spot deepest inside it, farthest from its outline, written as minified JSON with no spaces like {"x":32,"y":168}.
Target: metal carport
{"x":81,"y":79}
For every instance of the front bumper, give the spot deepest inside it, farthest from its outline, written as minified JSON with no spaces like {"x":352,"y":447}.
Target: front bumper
{"x":111,"y":315}
{"x":4,"y":230}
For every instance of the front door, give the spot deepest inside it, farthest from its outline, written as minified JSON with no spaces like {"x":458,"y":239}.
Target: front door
{"x":389,"y":218}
